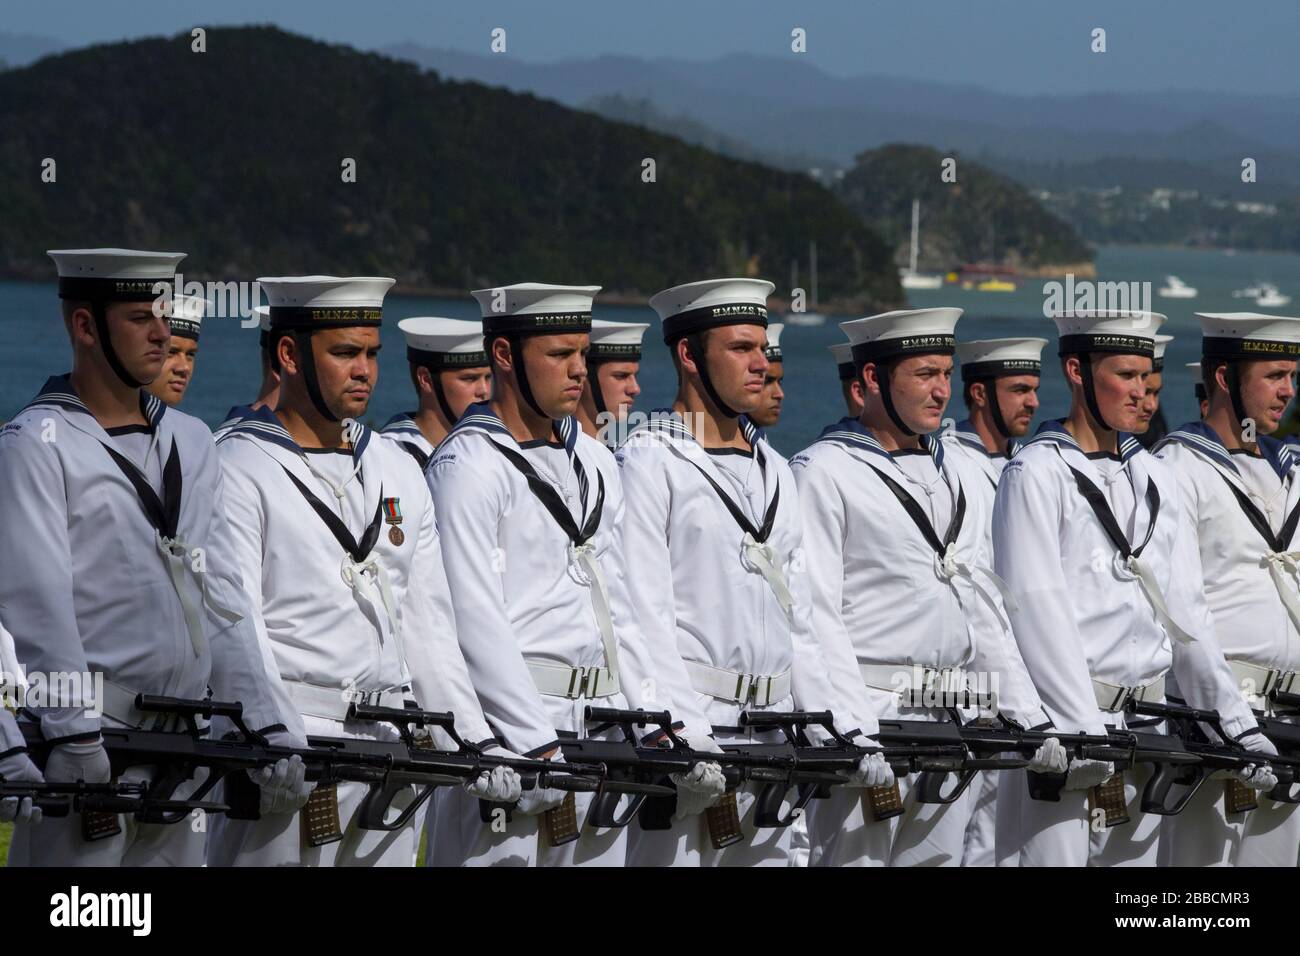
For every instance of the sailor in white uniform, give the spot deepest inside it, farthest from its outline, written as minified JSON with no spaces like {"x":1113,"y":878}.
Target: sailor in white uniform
{"x":613,"y":363}
{"x":850,"y":385}
{"x":1092,"y":536}
{"x":768,"y":411}
{"x":1000,"y":388}
{"x":450,"y":372}
{"x":186,"y":318}
{"x":1241,"y":488}
{"x":714,"y":547}
{"x":336,"y":536}
{"x":895,"y":534}
{"x":119,"y":560}
{"x":1151,"y":420}
{"x":528,"y":508}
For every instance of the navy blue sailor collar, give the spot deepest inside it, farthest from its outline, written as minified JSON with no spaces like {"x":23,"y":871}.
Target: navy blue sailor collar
{"x":966,"y":434}
{"x":59,"y":392}
{"x":851,"y":433}
{"x":667,"y":421}
{"x":480,"y":417}
{"x":1202,"y":438}
{"x":262,"y":424}
{"x":1054,"y":431}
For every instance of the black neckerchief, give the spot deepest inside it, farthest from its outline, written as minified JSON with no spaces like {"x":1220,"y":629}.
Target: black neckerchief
{"x":550,"y":498}
{"x":358,"y":550}
{"x":1107,"y":517}
{"x":1282,"y":539}
{"x":922,"y":521}
{"x":163,"y":514}
{"x":759,"y":534}
{"x":421,"y":457}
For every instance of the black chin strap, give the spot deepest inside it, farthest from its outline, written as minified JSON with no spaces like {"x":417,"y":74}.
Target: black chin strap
{"x":435,"y":376}
{"x":695,"y":342}
{"x":1232,"y":375}
{"x":995,"y":409}
{"x":99,"y":310}
{"x":302,"y":339}
{"x":1090,"y":391}
{"x":597,"y":392}
{"x":884,"y":377}
{"x":521,"y":374}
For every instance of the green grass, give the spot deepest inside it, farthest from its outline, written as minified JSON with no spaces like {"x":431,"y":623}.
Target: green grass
{"x":6,"y":831}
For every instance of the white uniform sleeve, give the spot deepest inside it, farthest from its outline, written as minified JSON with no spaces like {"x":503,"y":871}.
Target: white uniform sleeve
{"x":637,"y":677}
{"x":1027,"y":519}
{"x":468,"y":507}
{"x":824,"y":534}
{"x":36,"y":585}
{"x":644,"y":553}
{"x":439,"y":674}
{"x":811,"y":679}
{"x":995,"y":647}
{"x":1201,"y":672}
{"x":242,"y":533}
{"x":242,"y":667}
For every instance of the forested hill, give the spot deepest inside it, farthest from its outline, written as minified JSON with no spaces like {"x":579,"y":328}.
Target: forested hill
{"x":235,"y":156}
{"x":981,"y":217}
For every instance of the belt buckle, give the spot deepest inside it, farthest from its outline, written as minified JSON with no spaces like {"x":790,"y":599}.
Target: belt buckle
{"x":756,"y":681}
{"x":578,"y":678}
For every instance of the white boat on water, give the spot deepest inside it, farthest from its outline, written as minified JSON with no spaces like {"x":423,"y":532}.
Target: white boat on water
{"x":1250,"y":292}
{"x":1176,"y":288}
{"x":812,"y":316}
{"x":909,"y":278}
{"x":1270,"y":298}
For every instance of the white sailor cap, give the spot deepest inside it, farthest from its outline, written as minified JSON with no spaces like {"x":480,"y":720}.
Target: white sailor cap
{"x":842,"y":352}
{"x":307,"y":303}
{"x":615,"y":341}
{"x":263,"y":313}
{"x":113,"y":275}
{"x":536,"y":308}
{"x":1116,"y":331}
{"x":1158,"y":358}
{"x":1248,"y":336}
{"x":892,"y":335}
{"x":990,"y":358}
{"x":712,"y":303}
{"x":773,"y":350}
{"x":187,"y":313}
{"x":436,"y":342}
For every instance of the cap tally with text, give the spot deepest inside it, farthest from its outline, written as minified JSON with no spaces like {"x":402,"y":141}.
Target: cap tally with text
{"x":895,"y":335}
{"x":1158,"y":358}
{"x":309,"y":303}
{"x":710,"y":304}
{"x":113,"y":275}
{"x":437,"y":342}
{"x":842,"y":352}
{"x":991,"y":358}
{"x":615,"y":341}
{"x":773,"y":350}
{"x":1116,"y":332}
{"x":535,"y":308}
{"x":187,"y":313}
{"x":1248,"y":336}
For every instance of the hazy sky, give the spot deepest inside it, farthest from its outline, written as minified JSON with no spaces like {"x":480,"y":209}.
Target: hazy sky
{"x":1011,"y":45}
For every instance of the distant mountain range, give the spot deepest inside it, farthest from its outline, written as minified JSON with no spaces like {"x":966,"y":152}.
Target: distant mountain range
{"x":790,"y":112}
{"x":19,"y":49}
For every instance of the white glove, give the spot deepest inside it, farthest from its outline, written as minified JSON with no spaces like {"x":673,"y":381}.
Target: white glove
{"x":1049,"y":758}
{"x":284,"y":786}
{"x":86,"y":761}
{"x":498,"y":785}
{"x":1086,"y":774}
{"x":873,"y":770}
{"x":18,"y":768}
{"x":698,"y":789}
{"x":540,"y":799}
{"x":1257,"y":776}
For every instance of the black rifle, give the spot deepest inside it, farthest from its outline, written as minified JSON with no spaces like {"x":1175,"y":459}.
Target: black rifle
{"x":1226,"y":755}
{"x":62,"y":799}
{"x":1286,"y":738}
{"x":387,"y":768}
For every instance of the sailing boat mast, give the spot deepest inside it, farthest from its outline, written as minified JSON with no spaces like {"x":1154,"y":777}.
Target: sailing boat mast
{"x":916,"y":221}
{"x":812,"y":266}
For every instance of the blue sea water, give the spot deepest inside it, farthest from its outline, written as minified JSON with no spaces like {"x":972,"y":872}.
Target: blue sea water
{"x":227,"y":370}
